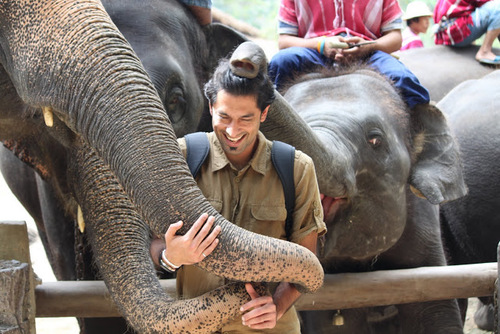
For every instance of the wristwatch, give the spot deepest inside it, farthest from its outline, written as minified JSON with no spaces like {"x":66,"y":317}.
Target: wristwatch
{"x":165,"y":264}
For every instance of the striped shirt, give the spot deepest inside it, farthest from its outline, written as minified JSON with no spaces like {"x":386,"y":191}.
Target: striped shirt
{"x":452,"y":17}
{"x":364,"y":18}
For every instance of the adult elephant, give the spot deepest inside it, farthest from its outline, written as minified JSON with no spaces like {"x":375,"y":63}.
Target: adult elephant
{"x":440,"y":68}
{"x":77,"y":105}
{"x":470,"y":224}
{"x":359,"y":119}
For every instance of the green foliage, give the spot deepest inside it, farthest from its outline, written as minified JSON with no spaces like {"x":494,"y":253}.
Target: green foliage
{"x":262,"y":14}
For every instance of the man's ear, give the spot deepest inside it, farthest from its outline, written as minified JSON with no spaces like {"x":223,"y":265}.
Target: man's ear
{"x":210,"y":108}
{"x":263,"y":114}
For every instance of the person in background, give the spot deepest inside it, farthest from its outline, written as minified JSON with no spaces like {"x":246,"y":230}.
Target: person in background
{"x":309,"y":32}
{"x":460,"y":22}
{"x":417,"y":17}
{"x":240,"y":181}
{"x":201,"y":9}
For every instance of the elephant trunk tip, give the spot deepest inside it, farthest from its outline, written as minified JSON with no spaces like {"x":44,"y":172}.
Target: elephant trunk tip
{"x":248,"y":60}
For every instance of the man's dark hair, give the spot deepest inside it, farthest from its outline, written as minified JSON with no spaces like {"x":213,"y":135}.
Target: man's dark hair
{"x":224,"y":79}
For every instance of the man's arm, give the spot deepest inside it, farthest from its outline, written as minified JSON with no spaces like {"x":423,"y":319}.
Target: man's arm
{"x":203,"y":15}
{"x":287,"y":41}
{"x":264,"y":311}
{"x":286,"y":294}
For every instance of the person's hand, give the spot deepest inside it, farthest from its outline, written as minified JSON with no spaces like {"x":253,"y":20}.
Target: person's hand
{"x":195,"y":245}
{"x":330,"y":50}
{"x":357,"y":52}
{"x":260,"y":311}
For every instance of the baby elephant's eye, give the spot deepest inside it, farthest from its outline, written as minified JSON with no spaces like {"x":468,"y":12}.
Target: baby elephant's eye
{"x":374,"y":140}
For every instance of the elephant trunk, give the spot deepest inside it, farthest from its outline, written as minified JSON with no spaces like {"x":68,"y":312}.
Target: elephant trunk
{"x":284,"y":124}
{"x":333,"y":163}
{"x":120,"y":240}
{"x":69,"y":57}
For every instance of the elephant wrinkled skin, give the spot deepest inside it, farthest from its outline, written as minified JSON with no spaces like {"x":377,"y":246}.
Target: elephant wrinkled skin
{"x":356,"y":123}
{"x":440,"y":68}
{"x":109,"y":148}
{"x":470,"y":224}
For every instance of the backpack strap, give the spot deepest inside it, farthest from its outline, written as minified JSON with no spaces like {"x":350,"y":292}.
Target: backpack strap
{"x":197,"y":150}
{"x":283,"y":157}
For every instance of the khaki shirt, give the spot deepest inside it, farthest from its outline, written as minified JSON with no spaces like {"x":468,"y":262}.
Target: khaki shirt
{"x":253,"y":199}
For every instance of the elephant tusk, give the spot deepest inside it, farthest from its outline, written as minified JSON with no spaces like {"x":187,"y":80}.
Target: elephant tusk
{"x":48,"y":116}
{"x":79,"y":220}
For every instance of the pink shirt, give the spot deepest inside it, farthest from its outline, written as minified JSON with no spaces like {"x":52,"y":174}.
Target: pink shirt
{"x":411,"y":40}
{"x":313,"y":18}
{"x":457,"y":14}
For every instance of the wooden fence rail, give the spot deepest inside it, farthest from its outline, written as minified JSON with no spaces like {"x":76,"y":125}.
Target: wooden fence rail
{"x":340,"y":291}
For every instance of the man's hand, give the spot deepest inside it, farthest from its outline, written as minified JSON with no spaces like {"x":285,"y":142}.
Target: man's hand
{"x":261,"y":310}
{"x":357,"y":52}
{"x":195,"y":245}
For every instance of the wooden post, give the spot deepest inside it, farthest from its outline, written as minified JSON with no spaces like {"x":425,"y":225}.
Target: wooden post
{"x":497,"y":294}
{"x":17,"y":283}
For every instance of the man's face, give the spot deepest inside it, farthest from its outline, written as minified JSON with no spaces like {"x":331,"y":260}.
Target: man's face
{"x":236,"y":122}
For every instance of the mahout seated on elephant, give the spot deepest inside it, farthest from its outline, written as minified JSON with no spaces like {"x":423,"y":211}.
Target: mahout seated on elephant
{"x":470,"y":226}
{"x":461,"y":22}
{"x":78,"y":106}
{"x":387,"y":217}
{"x":440,"y":68}
{"x":239,"y":176}
{"x":316,"y":33}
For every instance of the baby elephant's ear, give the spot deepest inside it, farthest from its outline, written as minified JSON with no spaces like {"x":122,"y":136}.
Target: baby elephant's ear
{"x":437,"y":171}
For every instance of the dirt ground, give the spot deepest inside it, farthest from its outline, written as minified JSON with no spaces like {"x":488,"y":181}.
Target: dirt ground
{"x":10,"y":209}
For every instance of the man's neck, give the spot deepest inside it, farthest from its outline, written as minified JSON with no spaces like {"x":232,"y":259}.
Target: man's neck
{"x":240,"y":161}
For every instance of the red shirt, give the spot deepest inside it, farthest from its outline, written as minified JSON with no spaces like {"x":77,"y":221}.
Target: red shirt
{"x":457,"y":15}
{"x":313,"y":18}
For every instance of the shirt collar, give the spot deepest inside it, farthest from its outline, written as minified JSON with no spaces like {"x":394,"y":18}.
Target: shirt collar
{"x":259,"y":161}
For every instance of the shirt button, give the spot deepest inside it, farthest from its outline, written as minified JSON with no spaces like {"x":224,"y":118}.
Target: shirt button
{"x":237,"y":179}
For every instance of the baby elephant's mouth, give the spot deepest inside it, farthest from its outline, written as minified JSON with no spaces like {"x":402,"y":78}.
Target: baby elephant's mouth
{"x":331,"y":205}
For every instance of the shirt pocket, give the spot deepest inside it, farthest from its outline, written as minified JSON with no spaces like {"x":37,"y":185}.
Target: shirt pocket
{"x":216,"y":203}
{"x":268,"y":220}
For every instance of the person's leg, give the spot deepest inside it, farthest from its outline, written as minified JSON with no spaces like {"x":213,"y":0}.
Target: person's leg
{"x":485,"y":51}
{"x":285,"y":64}
{"x":486,"y":21}
{"x":412,"y":91}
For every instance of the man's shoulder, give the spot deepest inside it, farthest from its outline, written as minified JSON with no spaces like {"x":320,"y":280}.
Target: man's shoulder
{"x":303,"y":160}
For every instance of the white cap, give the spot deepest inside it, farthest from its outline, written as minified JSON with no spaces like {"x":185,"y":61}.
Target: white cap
{"x":416,"y":9}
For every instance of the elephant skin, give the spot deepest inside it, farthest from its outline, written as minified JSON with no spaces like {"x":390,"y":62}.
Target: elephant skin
{"x":358,"y":123}
{"x":440,"y":68}
{"x":470,"y":224}
{"x":79,"y":108}
{"x":381,"y":224}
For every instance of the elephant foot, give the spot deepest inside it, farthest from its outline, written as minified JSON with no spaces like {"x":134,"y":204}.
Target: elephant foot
{"x":485,"y":317}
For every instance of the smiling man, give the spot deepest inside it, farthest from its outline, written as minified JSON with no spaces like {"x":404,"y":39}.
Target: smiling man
{"x":239,"y":179}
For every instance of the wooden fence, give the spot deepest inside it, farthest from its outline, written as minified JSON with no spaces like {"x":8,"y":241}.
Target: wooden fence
{"x":340,"y":291}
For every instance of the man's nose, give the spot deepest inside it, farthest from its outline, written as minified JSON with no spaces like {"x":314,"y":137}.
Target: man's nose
{"x":232,"y":129}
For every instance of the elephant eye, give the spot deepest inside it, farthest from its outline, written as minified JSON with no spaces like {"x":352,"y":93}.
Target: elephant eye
{"x":375,"y":139}
{"x":176,"y":105}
